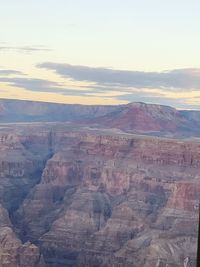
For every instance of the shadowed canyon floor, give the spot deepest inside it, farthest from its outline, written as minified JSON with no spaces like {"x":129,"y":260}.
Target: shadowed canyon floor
{"x":75,"y":196}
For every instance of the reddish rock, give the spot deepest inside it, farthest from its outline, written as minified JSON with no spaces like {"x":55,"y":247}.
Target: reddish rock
{"x":144,"y":118}
{"x":103,"y":198}
{"x":134,"y":117}
{"x":12,"y":252}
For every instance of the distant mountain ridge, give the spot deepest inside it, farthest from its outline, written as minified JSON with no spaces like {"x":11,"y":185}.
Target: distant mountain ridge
{"x":133,"y":117}
{"x":31,"y":111}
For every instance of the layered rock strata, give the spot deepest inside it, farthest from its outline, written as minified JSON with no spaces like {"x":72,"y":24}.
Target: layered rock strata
{"x":102,"y":198}
{"x":20,"y":170}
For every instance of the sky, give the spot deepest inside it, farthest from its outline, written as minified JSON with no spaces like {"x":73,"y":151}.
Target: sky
{"x":101,"y":51}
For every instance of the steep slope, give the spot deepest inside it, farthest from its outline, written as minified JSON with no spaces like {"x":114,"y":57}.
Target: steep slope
{"x":12,"y":252}
{"x":109,"y":199}
{"x":20,"y":170}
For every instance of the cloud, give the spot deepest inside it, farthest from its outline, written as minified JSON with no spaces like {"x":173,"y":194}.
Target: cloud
{"x":24,"y":49}
{"x":178,"y":88}
{"x":180,"y":79}
{"x":40,"y":85}
{"x":10,"y":72}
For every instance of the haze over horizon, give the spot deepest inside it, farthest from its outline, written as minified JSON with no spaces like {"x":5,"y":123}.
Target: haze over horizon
{"x":101,"y":52}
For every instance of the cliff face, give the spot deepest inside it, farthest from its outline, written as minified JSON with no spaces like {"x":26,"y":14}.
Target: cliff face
{"x":12,"y":252}
{"x":87,"y":197}
{"x":20,"y":170}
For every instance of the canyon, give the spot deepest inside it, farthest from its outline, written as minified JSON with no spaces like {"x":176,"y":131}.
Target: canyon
{"x":94,"y":194}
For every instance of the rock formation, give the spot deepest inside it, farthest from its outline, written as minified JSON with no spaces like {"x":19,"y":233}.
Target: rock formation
{"x":12,"y":252}
{"x":150,"y":119}
{"x":77,"y":196}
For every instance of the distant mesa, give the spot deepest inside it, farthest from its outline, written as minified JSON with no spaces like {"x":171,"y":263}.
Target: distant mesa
{"x":134,"y":117}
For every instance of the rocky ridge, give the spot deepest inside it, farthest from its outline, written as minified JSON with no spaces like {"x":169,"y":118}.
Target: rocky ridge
{"x":140,"y":118}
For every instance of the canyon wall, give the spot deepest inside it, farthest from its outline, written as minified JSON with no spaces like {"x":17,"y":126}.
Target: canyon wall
{"x":75,"y":196}
{"x":20,"y":170}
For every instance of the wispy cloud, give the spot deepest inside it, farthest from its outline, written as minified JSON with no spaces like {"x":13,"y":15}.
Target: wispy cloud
{"x":178,"y":79}
{"x":41,"y":85}
{"x":179,"y":88}
{"x":10,"y":72}
{"x":24,"y":49}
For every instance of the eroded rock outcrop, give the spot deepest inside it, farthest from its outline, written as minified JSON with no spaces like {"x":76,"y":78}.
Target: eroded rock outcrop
{"x":20,"y":170}
{"x":12,"y":252}
{"x":108,"y":199}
